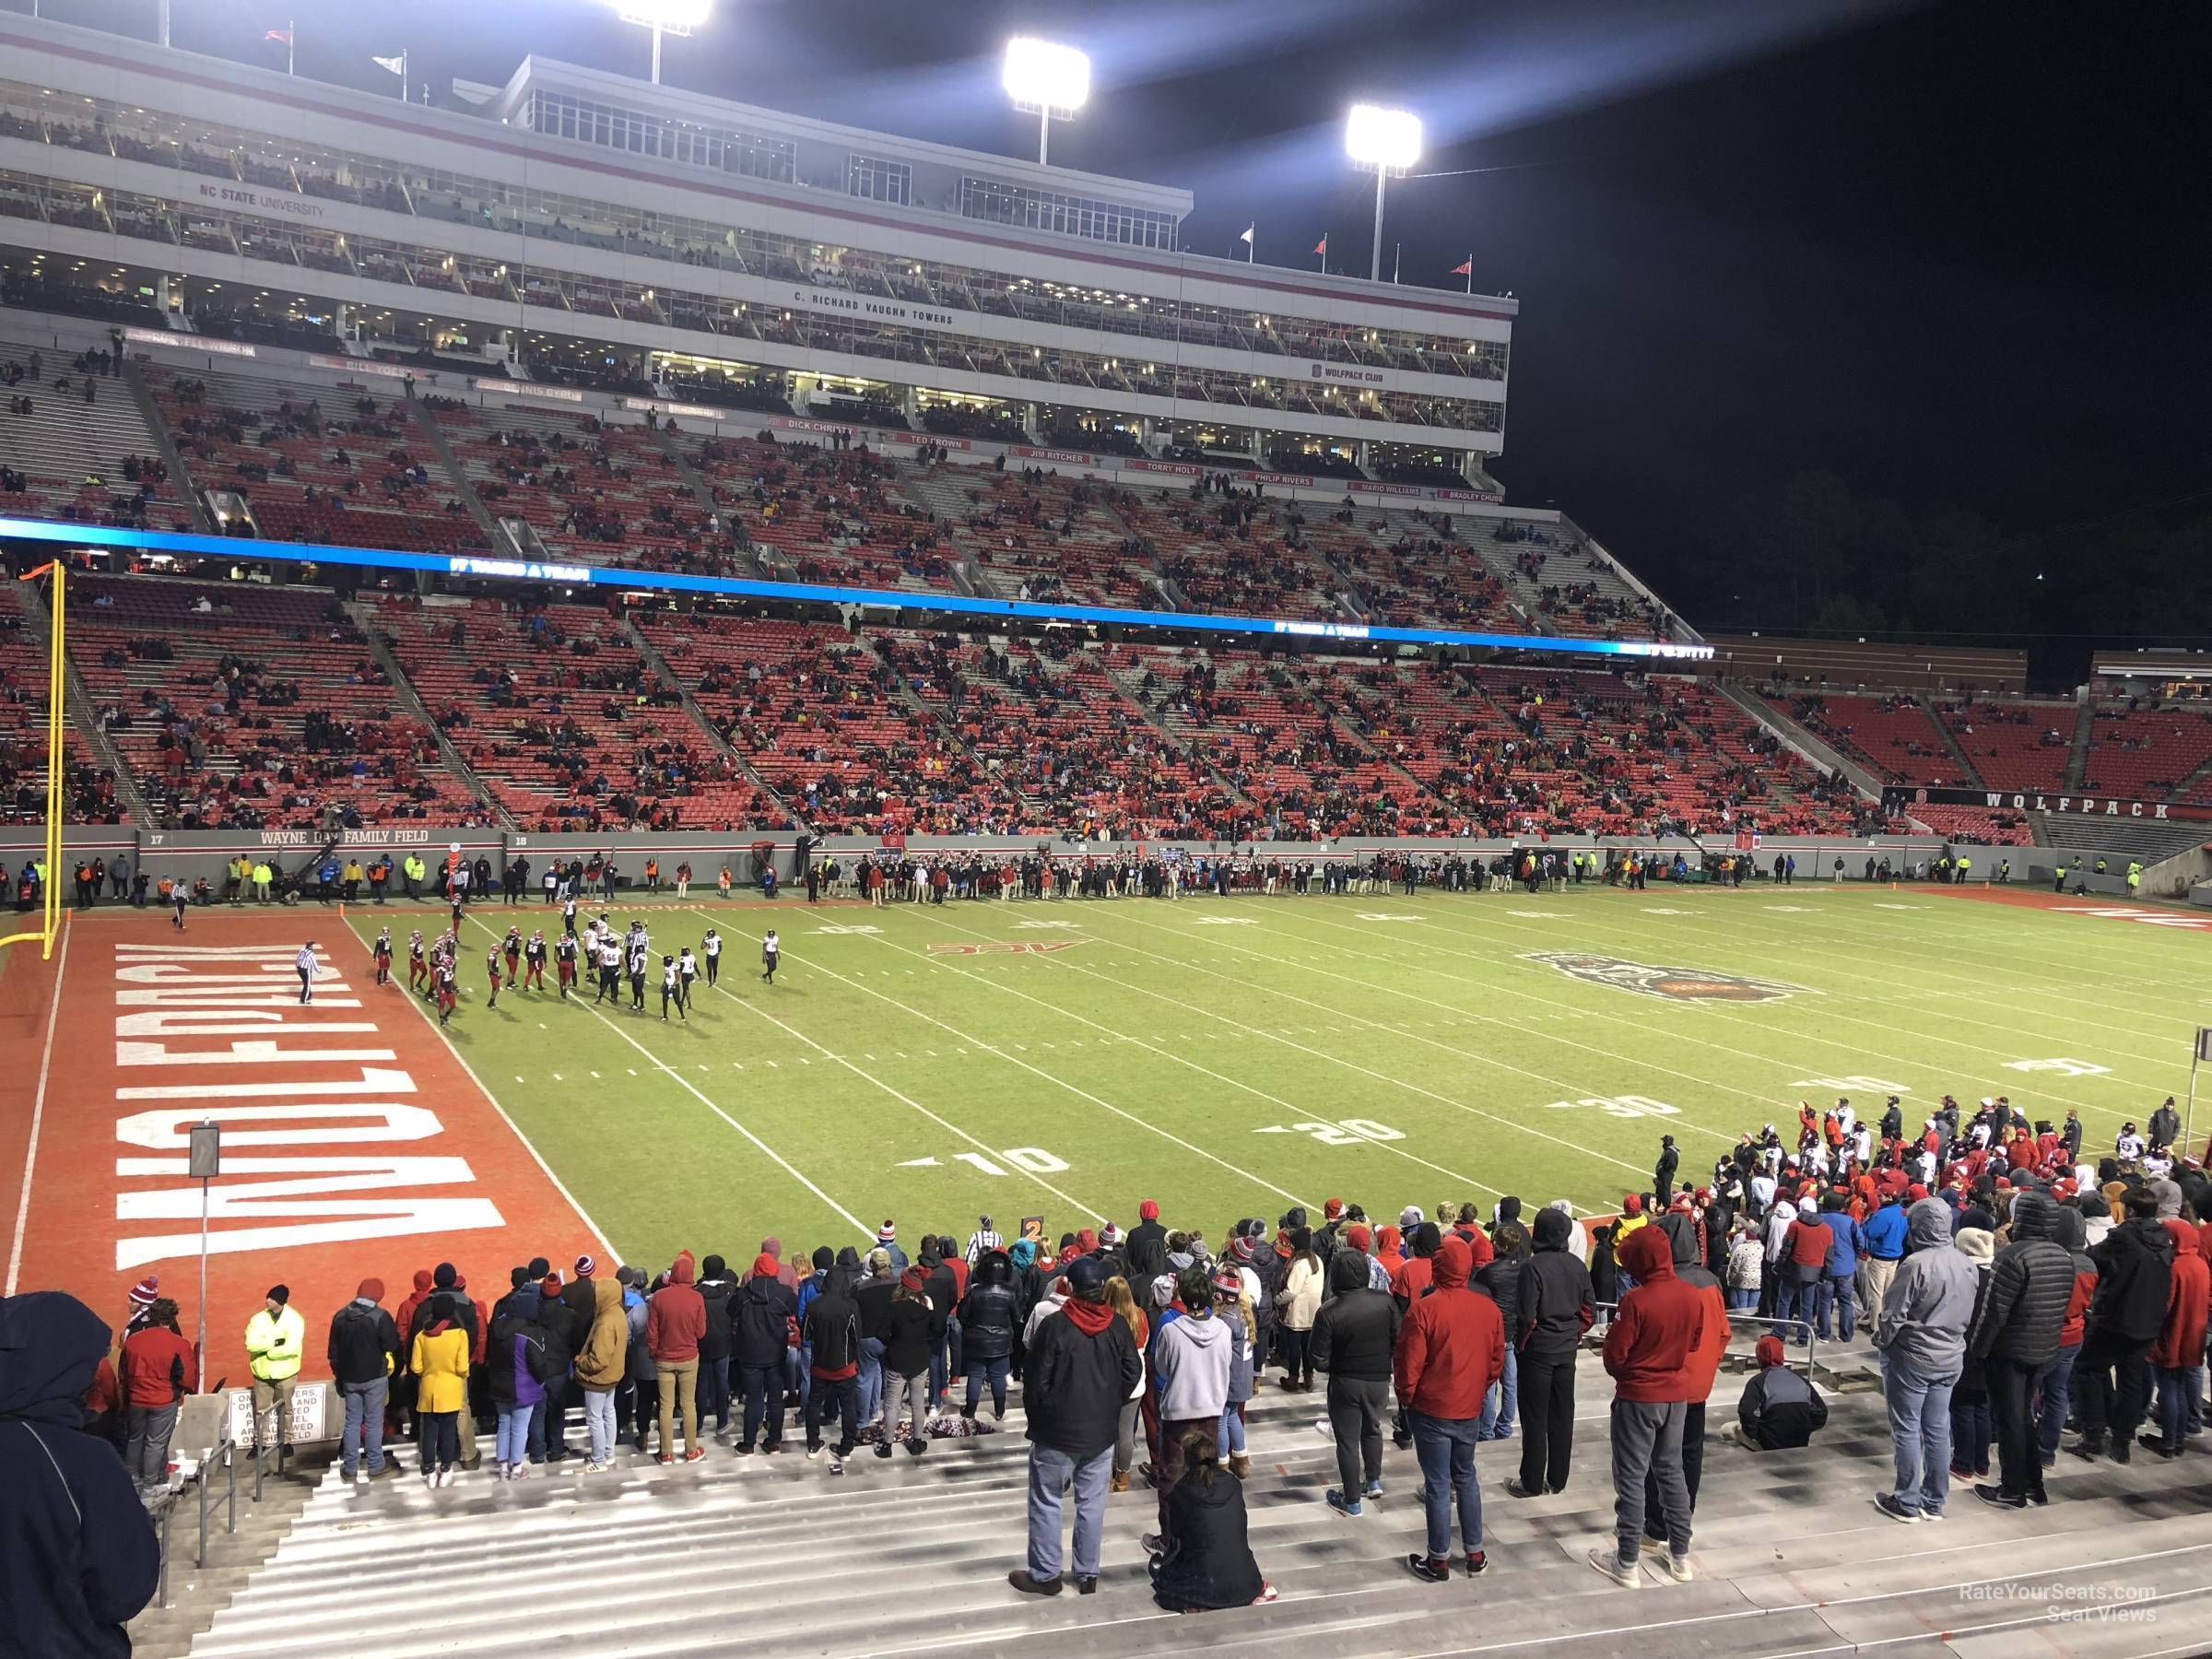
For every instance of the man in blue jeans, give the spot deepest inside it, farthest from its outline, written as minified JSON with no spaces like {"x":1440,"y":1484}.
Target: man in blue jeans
{"x":362,"y":1351}
{"x":1920,"y":1335}
{"x":1080,"y":1368}
{"x":1450,"y":1348}
{"x":1839,"y":1274}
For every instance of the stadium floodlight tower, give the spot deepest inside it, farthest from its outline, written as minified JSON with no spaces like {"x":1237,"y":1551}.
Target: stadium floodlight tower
{"x":1046,"y":79}
{"x":1389,"y":141}
{"x":677,"y":17}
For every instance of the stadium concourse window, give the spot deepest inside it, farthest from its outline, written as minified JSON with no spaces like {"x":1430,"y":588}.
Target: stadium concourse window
{"x":752,"y":155}
{"x":1065,"y":214}
{"x":875,"y":180}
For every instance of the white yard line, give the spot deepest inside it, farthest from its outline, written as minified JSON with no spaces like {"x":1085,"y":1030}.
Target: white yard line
{"x":690,"y":1087}
{"x":945,"y":1123}
{"x":1061,"y":961}
{"x":1771,"y":1023}
{"x":38,"y":1116}
{"x":1051,"y":1078}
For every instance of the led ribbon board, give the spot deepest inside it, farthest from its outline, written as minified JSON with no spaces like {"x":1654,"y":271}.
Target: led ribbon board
{"x":812,"y":593}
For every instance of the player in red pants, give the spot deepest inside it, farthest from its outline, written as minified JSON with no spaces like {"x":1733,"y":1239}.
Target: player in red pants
{"x":534,"y":961}
{"x":419,"y":970}
{"x":382,"y":952}
{"x":491,"y":966}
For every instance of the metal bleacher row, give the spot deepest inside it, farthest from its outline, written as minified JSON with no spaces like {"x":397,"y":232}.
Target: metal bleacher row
{"x":756,"y":1555}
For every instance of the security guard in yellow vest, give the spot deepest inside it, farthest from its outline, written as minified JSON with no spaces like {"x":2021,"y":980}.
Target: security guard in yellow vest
{"x":275,"y":1338}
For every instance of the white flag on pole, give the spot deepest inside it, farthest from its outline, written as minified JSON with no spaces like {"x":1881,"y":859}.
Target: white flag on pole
{"x":397,"y":66}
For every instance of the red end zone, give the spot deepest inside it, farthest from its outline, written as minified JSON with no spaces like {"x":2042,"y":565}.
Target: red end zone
{"x":355,"y":1143}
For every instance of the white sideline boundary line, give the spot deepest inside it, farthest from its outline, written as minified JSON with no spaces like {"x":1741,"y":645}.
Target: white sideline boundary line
{"x":1059,"y":1082}
{"x":945,"y":1123}
{"x":515,"y":1129}
{"x":38,"y":1113}
{"x":684,"y":1082}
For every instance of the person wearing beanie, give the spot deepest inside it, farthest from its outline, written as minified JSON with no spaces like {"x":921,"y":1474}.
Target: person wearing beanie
{"x":1082,"y":1364}
{"x":1667,"y":1335}
{"x":143,"y":1295}
{"x":676,"y":1320}
{"x":763,"y":1319}
{"x":831,"y":1336}
{"x":275,"y":1340}
{"x":716,"y":1286}
{"x":2016,"y":1337}
{"x":364,"y":1354}
{"x":1355,"y":1338}
{"x":887,"y":1239}
{"x":1555,"y":1307}
{"x":440,"y":1358}
{"x":1920,"y":1335}
{"x":984,"y":1237}
{"x":1296,"y":1307}
{"x":1450,"y":1348}
{"x":1779,"y":1409}
{"x":156,"y":1370}
{"x":907,"y":1346}
{"x":873,"y":1285}
{"x":516,"y":1363}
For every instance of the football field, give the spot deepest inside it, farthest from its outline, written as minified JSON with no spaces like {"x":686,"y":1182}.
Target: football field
{"x":1233,"y":1058}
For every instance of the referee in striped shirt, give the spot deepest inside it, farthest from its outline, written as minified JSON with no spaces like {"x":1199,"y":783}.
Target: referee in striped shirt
{"x":981,"y":1239}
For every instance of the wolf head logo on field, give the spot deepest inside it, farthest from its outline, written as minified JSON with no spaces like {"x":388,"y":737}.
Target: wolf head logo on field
{"x":1676,"y":985}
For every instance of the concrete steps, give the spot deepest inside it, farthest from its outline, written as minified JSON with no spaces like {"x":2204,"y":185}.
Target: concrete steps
{"x":759,"y":1555}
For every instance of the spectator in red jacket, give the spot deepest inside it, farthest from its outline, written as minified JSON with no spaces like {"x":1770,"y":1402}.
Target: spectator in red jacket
{"x":1654,"y":1353}
{"x":157,"y":1370}
{"x":1803,"y":1259}
{"x":675,"y":1318}
{"x":1450,"y":1348}
{"x":2179,"y":1353}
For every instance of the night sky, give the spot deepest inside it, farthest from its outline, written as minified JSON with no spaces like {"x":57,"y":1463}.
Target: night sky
{"x":1956,"y":255}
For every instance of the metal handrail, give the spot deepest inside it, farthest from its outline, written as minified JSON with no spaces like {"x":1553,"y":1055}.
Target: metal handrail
{"x":1748,"y":1316}
{"x":226,"y":1450}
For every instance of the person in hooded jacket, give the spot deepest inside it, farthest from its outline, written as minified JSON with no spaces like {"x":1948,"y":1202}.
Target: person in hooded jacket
{"x":1450,"y":1348}
{"x":1554,"y":1307}
{"x":1209,"y":1563}
{"x":675,"y":1320}
{"x":1703,"y":1365}
{"x":715,"y":1288}
{"x":1651,"y":1353}
{"x":2057,"y":1399}
{"x":2031,"y":1282}
{"x":402,"y":1402}
{"x":906,"y":1352}
{"x":830,"y":1333}
{"x":599,"y":1366}
{"x":1921,"y":1335}
{"x":1779,"y":1410}
{"x":1147,"y":1246}
{"x":1233,"y":1309}
{"x":639,"y":1383}
{"x":564,"y":1331}
{"x":79,"y":1558}
{"x":872,"y":1295}
{"x":1355,"y":1340}
{"x":990,"y":1319}
{"x":942,"y":1286}
{"x":1190,"y":1368}
{"x":764,"y":1315}
{"x":2177,"y":1355}
{"x":1500,"y":1280}
{"x":1972,"y":1428}
{"x":1083,"y":1364}
{"x":2134,"y":1281}
{"x":363,"y":1352}
{"x":515,"y":1357}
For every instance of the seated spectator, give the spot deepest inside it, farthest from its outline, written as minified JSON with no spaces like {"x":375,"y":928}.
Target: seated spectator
{"x":1208,"y":1561}
{"x":1779,"y":1409}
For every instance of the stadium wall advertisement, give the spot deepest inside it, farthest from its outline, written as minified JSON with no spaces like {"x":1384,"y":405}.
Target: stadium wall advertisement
{"x":1903,"y":797}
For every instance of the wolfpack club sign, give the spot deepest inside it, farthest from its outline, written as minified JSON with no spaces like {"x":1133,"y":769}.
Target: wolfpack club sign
{"x":1676,"y":985}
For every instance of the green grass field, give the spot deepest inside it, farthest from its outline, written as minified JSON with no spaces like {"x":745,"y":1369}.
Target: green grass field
{"x":1232,"y":1057}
